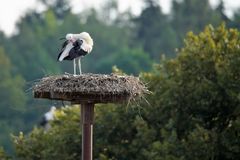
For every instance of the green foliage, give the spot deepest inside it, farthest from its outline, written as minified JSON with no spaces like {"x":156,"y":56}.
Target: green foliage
{"x":62,"y":141}
{"x":154,"y":32}
{"x":194,"y":112}
{"x":194,"y":15}
{"x":32,"y":45}
{"x":13,"y":99}
{"x":60,"y":7}
{"x":129,"y":60}
{"x":195,"y":95}
{"x":3,"y":155}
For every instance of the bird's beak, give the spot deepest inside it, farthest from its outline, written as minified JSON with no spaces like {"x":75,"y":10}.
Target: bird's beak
{"x":62,"y":38}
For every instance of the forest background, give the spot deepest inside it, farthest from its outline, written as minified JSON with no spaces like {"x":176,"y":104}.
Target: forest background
{"x":149,"y":44}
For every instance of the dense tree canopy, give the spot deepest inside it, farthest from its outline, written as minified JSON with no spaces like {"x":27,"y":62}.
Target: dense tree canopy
{"x":133,"y":43}
{"x":13,"y":99}
{"x":154,"y":31}
{"x":193,"y":111}
{"x":197,"y":96}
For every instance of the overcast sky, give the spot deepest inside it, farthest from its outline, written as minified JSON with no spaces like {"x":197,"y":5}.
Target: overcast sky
{"x":11,"y":10}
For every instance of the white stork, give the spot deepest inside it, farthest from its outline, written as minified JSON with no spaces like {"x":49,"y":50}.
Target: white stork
{"x":49,"y":116}
{"x":75,"y":46}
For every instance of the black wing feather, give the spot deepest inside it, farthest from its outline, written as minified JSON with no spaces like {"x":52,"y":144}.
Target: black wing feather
{"x":76,"y":51}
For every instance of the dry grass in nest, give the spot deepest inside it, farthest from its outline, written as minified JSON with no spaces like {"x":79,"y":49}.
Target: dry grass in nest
{"x":97,"y":88}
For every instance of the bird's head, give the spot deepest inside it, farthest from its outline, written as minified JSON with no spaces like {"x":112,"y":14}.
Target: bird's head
{"x":86,"y":37}
{"x":70,"y":37}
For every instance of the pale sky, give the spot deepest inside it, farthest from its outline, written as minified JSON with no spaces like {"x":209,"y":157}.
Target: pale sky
{"x":12,"y":10}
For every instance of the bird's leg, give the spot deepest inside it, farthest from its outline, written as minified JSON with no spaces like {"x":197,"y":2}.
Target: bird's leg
{"x":74,"y":67}
{"x":79,"y":65}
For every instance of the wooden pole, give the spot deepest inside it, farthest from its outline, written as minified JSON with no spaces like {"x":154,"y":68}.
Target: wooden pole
{"x":87,"y":115}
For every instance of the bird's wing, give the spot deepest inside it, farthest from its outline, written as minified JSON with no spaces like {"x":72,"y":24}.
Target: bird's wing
{"x":66,"y":47}
{"x":77,"y":44}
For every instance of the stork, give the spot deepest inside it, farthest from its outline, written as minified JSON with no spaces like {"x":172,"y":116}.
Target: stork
{"x":74,"y":47}
{"x":49,"y":116}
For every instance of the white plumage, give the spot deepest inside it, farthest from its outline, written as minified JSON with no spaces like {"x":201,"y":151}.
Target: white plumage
{"x":49,"y":116}
{"x":66,"y":51}
{"x":76,"y":46}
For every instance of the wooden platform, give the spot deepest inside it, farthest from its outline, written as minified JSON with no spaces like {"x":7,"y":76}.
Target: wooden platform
{"x":89,"y":88}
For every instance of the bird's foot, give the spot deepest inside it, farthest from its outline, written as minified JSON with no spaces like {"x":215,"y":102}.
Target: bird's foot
{"x":70,"y":74}
{"x":75,"y":75}
{"x":67,"y":73}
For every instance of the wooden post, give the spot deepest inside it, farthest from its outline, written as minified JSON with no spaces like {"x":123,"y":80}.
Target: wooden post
{"x":87,"y":115}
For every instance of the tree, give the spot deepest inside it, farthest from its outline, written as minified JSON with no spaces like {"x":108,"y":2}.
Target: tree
{"x":60,"y":7}
{"x":236,"y":19}
{"x":13,"y":100}
{"x":221,"y":11}
{"x":34,"y":40}
{"x":154,"y":32}
{"x":13,"y":96}
{"x":130,"y":60}
{"x":57,"y":143}
{"x":193,"y":15}
{"x":3,"y":155}
{"x":197,"y":95}
{"x":194,"y":112}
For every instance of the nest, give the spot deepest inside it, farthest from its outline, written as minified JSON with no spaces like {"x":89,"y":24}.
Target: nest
{"x":94,"y":88}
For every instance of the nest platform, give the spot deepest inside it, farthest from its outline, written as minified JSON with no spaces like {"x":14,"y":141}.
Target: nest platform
{"x":90,"y":88}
